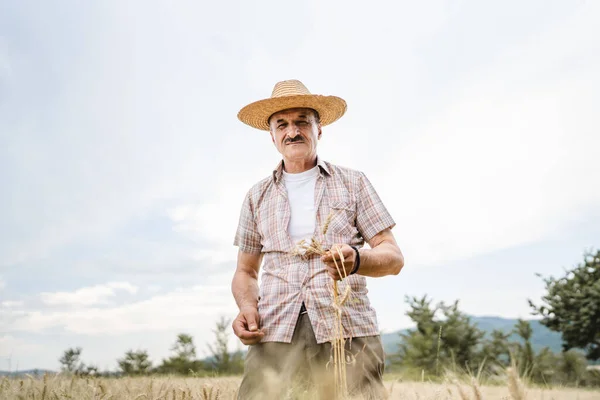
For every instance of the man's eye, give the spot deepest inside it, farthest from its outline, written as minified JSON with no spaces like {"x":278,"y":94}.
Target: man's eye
{"x":302,"y":123}
{"x":281,"y":126}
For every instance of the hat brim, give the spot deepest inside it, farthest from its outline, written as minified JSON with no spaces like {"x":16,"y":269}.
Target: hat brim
{"x":257,"y":114}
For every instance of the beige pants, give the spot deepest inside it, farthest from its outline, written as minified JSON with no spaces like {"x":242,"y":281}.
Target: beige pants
{"x":274,"y":369}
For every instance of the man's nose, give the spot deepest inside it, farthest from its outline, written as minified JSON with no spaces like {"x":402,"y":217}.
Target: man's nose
{"x":293,"y":132}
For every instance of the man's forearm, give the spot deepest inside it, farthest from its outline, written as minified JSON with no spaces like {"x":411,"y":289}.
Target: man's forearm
{"x":382,"y":260}
{"x":245,"y":289}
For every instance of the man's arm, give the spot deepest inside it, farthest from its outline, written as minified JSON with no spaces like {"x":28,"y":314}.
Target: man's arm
{"x":244,"y":287}
{"x":383,"y":258}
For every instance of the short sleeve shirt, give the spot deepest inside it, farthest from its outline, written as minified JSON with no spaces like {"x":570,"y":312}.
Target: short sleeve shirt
{"x":287,"y":280}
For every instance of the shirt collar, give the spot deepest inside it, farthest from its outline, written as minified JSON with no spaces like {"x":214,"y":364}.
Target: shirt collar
{"x":278,"y":171}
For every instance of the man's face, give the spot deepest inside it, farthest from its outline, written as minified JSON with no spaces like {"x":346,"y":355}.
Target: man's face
{"x":295,"y":133}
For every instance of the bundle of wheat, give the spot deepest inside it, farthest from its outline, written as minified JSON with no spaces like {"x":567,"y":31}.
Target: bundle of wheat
{"x":338,"y":341}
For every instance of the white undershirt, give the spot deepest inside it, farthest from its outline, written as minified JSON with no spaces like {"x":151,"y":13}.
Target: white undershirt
{"x":301,"y":194}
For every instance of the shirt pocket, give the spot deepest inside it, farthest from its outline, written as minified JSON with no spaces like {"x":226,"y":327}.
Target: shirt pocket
{"x":342,"y":226}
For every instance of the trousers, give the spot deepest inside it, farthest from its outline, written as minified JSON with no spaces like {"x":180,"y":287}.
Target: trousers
{"x":274,"y":370}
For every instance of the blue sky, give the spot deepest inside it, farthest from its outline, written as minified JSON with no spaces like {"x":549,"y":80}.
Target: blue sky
{"x":123,"y":165}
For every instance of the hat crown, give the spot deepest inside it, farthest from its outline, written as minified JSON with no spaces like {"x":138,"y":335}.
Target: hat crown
{"x":290,"y":87}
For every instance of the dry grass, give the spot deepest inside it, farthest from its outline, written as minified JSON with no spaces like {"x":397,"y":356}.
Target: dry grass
{"x":420,"y":390}
{"x":58,"y":387}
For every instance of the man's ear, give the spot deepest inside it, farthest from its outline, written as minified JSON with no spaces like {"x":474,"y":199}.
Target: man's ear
{"x":272,"y":136}
{"x":320,"y":132}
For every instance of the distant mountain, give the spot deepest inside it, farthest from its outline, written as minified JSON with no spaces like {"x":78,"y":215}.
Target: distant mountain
{"x":542,"y":336}
{"x":32,"y":372}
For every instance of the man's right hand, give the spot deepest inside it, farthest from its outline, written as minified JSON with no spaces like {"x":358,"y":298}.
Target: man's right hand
{"x":246,"y":326}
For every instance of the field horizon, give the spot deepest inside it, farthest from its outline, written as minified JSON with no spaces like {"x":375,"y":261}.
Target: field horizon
{"x":189,"y":388}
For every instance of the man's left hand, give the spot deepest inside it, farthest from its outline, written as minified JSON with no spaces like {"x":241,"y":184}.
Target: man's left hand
{"x":346,"y":267}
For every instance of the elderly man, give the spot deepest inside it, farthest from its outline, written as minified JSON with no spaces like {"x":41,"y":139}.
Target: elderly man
{"x":289,"y":321}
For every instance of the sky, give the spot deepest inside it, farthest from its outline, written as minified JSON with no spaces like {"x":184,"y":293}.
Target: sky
{"x":123,"y":165}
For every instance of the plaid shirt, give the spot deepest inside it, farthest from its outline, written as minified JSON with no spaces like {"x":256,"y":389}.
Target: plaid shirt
{"x":288,"y":280}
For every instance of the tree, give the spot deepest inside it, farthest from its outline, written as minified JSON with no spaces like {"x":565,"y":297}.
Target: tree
{"x":438,"y":341}
{"x":184,"y":347}
{"x":70,"y":360}
{"x":571,"y":306}
{"x":496,"y":349}
{"x":544,"y":366}
{"x":418,"y":348}
{"x":135,"y":363}
{"x":460,"y":337}
{"x":572,"y":367}
{"x":526,"y":354}
{"x":219,"y":350}
{"x":184,"y":360}
{"x":222,"y":360}
{"x":89,"y":370}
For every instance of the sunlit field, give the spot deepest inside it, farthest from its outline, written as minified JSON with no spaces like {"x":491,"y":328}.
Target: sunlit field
{"x":177,"y":388}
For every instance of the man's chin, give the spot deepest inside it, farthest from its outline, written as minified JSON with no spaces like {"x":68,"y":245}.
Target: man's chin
{"x":296,"y":155}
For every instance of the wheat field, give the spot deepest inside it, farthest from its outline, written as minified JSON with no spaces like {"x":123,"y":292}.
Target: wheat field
{"x":225,"y":388}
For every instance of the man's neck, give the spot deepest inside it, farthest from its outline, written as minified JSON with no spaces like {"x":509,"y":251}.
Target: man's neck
{"x":296,"y":167}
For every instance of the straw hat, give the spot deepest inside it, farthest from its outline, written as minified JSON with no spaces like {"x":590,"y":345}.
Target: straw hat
{"x":291,"y":94}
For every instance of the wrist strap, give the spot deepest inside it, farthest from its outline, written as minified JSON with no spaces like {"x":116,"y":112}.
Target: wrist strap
{"x":356,"y":261}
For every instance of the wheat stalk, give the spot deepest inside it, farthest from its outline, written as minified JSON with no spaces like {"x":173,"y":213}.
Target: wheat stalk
{"x":476,"y":390}
{"x":338,"y":343}
{"x":514,"y":384}
{"x":463,"y":395}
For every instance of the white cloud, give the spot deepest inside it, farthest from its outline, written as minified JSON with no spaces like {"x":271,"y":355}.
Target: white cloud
{"x":213,"y":222}
{"x":208,"y":222}
{"x":83,"y":186}
{"x":12,"y":347}
{"x":499,"y":179}
{"x":508,"y":160}
{"x":87,"y":296}
{"x":184,"y":307}
{"x":153,"y":288}
{"x":12,"y":304}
